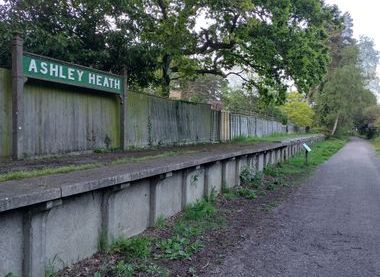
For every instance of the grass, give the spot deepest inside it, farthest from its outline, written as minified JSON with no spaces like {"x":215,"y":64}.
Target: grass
{"x":376,"y":144}
{"x":139,"y":254}
{"x":185,"y":242}
{"x":135,"y":248}
{"x":286,"y":174}
{"x":271,"y":138}
{"x":183,"y":238}
{"x":18,"y":175}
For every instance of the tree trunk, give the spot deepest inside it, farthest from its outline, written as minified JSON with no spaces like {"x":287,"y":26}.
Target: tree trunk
{"x":165,"y":82}
{"x":335,"y":125}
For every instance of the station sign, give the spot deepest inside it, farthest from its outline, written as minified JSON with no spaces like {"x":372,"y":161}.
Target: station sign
{"x":48,"y":69}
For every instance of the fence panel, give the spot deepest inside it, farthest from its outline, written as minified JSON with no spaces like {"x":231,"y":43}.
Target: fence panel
{"x":5,"y":113}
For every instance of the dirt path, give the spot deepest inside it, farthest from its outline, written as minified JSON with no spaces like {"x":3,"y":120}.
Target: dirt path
{"x":329,"y":227}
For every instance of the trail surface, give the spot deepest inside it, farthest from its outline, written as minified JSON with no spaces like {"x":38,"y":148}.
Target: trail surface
{"x":329,"y":227}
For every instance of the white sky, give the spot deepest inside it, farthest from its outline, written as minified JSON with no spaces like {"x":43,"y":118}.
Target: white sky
{"x":366,"y":16}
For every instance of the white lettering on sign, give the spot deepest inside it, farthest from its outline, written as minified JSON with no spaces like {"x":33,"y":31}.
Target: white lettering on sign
{"x":64,"y":72}
{"x":44,"y":68}
{"x":80,"y":74}
{"x":70,"y":73}
{"x":33,"y":66}
{"x":53,"y":70}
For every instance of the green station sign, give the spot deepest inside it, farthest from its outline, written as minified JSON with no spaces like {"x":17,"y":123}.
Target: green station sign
{"x":43,"y":68}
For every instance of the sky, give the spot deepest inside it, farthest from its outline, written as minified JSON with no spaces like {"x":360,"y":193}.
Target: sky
{"x":365,"y":14}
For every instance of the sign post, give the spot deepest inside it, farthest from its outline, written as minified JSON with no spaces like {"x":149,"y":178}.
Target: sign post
{"x":123,"y":113}
{"x":17,"y":97}
{"x":307,"y":150}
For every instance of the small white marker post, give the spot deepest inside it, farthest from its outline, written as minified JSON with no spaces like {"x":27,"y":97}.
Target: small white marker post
{"x":307,"y":150}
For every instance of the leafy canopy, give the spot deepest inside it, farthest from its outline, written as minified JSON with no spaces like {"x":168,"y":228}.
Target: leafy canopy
{"x":298,"y":110}
{"x":158,"y":41}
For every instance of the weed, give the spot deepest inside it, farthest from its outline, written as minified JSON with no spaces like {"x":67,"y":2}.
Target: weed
{"x":10,"y":274}
{"x":246,"y":193}
{"x":247,"y":175}
{"x":194,"y":180}
{"x":16,"y":175}
{"x":50,"y":268}
{"x":271,"y":138}
{"x":154,"y":269}
{"x":103,"y":241}
{"x":200,"y":210}
{"x":136,"y":247}
{"x":178,"y":248}
{"x":192,"y":271}
{"x":229,"y":194}
{"x":160,"y":222}
{"x":211,"y":198}
{"x":123,"y":269}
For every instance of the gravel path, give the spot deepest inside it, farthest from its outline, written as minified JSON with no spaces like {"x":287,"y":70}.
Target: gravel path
{"x":329,"y":227}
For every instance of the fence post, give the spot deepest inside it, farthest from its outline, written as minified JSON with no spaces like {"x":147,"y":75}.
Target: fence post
{"x":17,"y":97}
{"x":123,"y":113}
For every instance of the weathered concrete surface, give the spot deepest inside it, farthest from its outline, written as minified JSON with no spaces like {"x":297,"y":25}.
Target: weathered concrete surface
{"x":213,"y":178}
{"x":16,"y":194}
{"x":330,"y":227}
{"x":11,"y":248}
{"x":194,"y":186}
{"x":63,"y":216}
{"x":72,"y":230}
{"x":252,"y":162}
{"x":260,"y":162}
{"x":241,"y":163}
{"x":129,"y":210}
{"x":229,"y":173}
{"x":168,"y":196}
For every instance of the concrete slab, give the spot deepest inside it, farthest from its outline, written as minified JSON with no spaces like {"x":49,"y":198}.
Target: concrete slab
{"x":252,"y":161}
{"x":242,"y":162}
{"x":260,"y":162}
{"x":273,"y":159}
{"x":229,"y":173}
{"x":213,"y":178}
{"x":194,"y":186}
{"x":11,"y":254}
{"x":168,"y":196}
{"x":73,"y":229}
{"x":128,"y":210}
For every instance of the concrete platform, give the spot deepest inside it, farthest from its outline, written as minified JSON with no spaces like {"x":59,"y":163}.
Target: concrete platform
{"x":59,"y":219}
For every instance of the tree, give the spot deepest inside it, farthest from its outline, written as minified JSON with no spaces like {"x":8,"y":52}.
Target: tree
{"x":368,"y":122}
{"x":249,"y":101}
{"x":160,"y":40}
{"x":369,"y":60}
{"x":344,"y":95}
{"x":204,"y":89}
{"x":298,"y":110}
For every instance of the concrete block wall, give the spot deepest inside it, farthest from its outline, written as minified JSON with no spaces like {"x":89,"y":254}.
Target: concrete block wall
{"x":61,"y":231}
